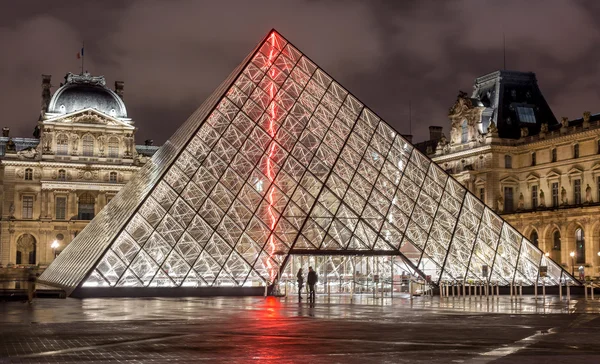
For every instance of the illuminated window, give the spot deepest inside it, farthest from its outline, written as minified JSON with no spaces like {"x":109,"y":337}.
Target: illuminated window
{"x":576,"y":151}
{"x":61,"y":208}
{"x":28,"y":174}
{"x":112,"y":177}
{"x":508,"y":199}
{"x":113,"y":147}
{"x":526,"y":114}
{"x":534,"y":197}
{"x":577,"y":191}
{"x":507,"y":161}
{"x":62,"y":175}
{"x":62,"y":145}
{"x":534,"y":238}
{"x":27,"y":207}
{"x":88,"y":145}
{"x":580,"y":246}
{"x":86,"y":206}
{"x":555,"y":194}
{"x":556,"y":240}
{"x":482,"y":194}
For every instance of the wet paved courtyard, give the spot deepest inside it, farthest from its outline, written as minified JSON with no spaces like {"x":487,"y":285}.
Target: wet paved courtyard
{"x":281,"y":330}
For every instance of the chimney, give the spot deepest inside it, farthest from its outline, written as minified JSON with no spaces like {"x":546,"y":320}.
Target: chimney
{"x":148,"y":142}
{"x":5,"y":132}
{"x":46,"y":92}
{"x":119,"y":86}
{"x":435,"y":132}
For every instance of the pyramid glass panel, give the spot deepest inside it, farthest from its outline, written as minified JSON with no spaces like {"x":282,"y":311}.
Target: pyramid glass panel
{"x":279,"y":167}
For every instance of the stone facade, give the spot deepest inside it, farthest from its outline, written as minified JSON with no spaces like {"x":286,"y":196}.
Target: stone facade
{"x":546,"y":182}
{"x":52,"y":185}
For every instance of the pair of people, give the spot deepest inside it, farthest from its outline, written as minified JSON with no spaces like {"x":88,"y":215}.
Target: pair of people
{"x":312,"y":279}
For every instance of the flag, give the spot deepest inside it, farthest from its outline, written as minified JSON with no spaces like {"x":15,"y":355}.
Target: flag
{"x":80,"y":53}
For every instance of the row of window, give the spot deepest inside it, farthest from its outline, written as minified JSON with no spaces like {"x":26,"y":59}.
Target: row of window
{"x":85,"y":207}
{"x":557,"y":246}
{"x":509,"y":195}
{"x":88,"y":141}
{"x":62,"y":175}
{"x":508,"y":158}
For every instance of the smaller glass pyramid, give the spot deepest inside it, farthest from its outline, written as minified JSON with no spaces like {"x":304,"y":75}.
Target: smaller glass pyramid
{"x":280,"y":161}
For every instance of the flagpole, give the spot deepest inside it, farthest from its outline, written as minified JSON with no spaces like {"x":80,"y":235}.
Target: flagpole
{"x":82,"y":55}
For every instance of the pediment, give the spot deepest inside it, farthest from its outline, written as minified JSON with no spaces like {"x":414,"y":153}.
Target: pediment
{"x":509,"y":180}
{"x":90,"y":117}
{"x":575,"y":171}
{"x":553,"y":174}
{"x":532,"y":177}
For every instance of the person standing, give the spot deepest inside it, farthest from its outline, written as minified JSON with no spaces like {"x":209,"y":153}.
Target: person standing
{"x":300,"y":278}
{"x":312,"y":279}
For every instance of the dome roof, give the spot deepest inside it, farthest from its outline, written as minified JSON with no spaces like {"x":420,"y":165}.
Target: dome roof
{"x":85,"y":91}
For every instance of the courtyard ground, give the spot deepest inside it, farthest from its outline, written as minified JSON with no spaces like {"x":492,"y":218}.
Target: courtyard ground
{"x":282,"y":330}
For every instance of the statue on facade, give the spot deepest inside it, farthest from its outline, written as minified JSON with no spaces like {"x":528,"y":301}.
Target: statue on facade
{"x":28,"y":153}
{"x":74,"y":142}
{"x":10,"y":146}
{"x":563,"y":196}
{"x":588,"y":194}
{"x":524,"y":132}
{"x":542,"y":199}
{"x":586,"y":119}
{"x":47,"y":141}
{"x":128,"y":142}
{"x":521,"y":204}
{"x":544,"y":128}
{"x":500,"y":203}
{"x":11,"y":210}
{"x":565,"y":122}
{"x":101,"y":141}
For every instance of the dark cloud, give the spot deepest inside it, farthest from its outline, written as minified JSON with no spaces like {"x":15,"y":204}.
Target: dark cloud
{"x":172,"y":54}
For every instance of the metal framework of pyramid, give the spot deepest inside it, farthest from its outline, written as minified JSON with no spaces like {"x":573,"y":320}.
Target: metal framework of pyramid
{"x":281,"y":160}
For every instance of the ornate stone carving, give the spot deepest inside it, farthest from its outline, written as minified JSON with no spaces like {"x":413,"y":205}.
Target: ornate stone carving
{"x":128,"y":143}
{"x":588,"y":194}
{"x":563,"y":196}
{"x":27,"y":153}
{"x":521,"y":204}
{"x":564,"y":121}
{"x":89,"y":117}
{"x":20,"y":173}
{"x":500,"y":202}
{"x":524,"y":132}
{"x":542,"y":199}
{"x":101,"y":143}
{"x":586,"y":119}
{"x":544,"y":128}
{"x":47,"y":140}
{"x":86,"y":78}
{"x":74,"y":137}
{"x":462,"y":104}
{"x":10,"y":146}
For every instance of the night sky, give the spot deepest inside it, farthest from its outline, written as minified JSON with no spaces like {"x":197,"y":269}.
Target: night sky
{"x":173,"y":54}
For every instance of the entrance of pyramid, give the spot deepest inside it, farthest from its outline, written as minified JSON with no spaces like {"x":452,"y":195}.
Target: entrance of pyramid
{"x":375,"y":275}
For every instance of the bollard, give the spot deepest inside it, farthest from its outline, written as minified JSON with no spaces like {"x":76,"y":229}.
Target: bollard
{"x":560,"y":290}
{"x":585,"y":287}
{"x":568,"y":292}
{"x":452,"y":288}
{"x":592,"y":290}
{"x":487,"y":286}
{"x":410,"y":289}
{"x":266,"y":288}
{"x":535,"y":291}
{"x":497,"y":290}
{"x":510,"y":287}
{"x":521,"y":289}
{"x":544,"y":290}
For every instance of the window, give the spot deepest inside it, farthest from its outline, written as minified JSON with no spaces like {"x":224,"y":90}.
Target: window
{"x":576,"y":151}
{"x":61,"y":208}
{"x":88,"y":145}
{"x":598,"y":146}
{"x":555,"y":194}
{"x":112,"y":177}
{"x":86,"y":206}
{"x":534,"y":197}
{"x":507,"y":161}
{"x":113,"y":147}
{"x":508,"y":199}
{"x":465,"y":132}
{"x":27,"y":207}
{"x":534,"y":238}
{"x":108,"y":199}
{"x":526,"y":114}
{"x":28,"y":174}
{"x":533,"y":159}
{"x":553,"y":154}
{"x":62,"y":145}
{"x":577,"y":191}
{"x":482,"y":194}
{"x":556,"y":240}
{"x":579,"y":246}
{"x":62,"y":175}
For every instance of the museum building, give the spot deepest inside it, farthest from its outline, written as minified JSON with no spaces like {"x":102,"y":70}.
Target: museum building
{"x":82,"y":153}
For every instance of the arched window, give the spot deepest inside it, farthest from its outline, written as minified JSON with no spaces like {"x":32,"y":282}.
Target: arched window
{"x":579,"y":246}
{"x":534,"y":238}
{"x":112,"y":177}
{"x":62,"y":175}
{"x":465,"y":132}
{"x":28,"y":174}
{"x":62,"y":145}
{"x":113,"y":147}
{"x":88,"y":145}
{"x":86,"y":206}
{"x":556,"y":240}
{"x":507,"y":161}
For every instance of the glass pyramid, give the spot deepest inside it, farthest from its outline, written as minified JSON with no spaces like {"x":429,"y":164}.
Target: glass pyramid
{"x":282,"y":161}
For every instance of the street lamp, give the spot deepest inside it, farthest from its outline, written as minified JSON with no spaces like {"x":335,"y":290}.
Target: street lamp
{"x":572,"y":254}
{"x":548,"y":254}
{"x":54,"y":245}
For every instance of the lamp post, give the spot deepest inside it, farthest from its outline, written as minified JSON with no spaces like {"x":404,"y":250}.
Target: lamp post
{"x":54,"y":245}
{"x":572,"y":254}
